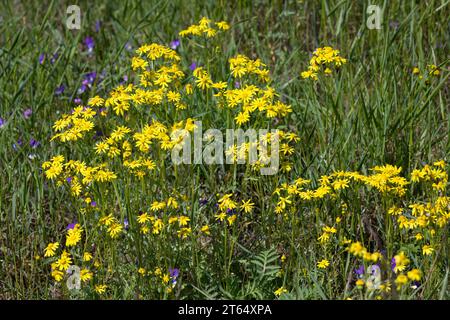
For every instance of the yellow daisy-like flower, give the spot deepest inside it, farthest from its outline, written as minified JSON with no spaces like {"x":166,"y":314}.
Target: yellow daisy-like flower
{"x":323,"y":264}
{"x":100,"y":288}
{"x":427,"y":250}
{"x":280,"y":291}
{"x":50,"y":250}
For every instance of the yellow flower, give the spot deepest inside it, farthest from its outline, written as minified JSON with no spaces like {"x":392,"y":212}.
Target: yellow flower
{"x":231,"y":219}
{"x":360,"y":283}
{"x":100,"y":288}
{"x":242,"y":117}
{"x":427,"y":250}
{"x":247,"y":206}
{"x":57,"y":275}
{"x":280,"y":291}
{"x":87,"y":256}
{"x":50,"y":249}
{"x":414,"y":275}
{"x":183,"y":220}
{"x":323,"y":264}
{"x":64,"y":262}
{"x":141,"y":271}
{"x":205,"y":230}
{"x":73,"y":235}
{"x":85,"y":275}
{"x":401,"y":280}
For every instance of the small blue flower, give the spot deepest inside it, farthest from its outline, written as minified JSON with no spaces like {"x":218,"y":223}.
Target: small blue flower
{"x":89,"y":43}
{"x":60,"y":90}
{"x":175,"y":44}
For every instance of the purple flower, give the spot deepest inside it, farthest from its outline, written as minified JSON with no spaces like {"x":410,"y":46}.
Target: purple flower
{"x":393,"y":264}
{"x":34,"y":143}
{"x":93,"y":204}
{"x":77,"y":101}
{"x":71,"y":225}
{"x":82,"y":89}
{"x":193,"y":66}
{"x":27,"y":113}
{"x":41,"y":58}
{"x":89,"y":43}
{"x":237,"y":84}
{"x":54,"y":57}
{"x":203,"y":202}
{"x":19,"y":144}
{"x":90,"y":77}
{"x":69,"y":179}
{"x":360,"y":271}
{"x":125,"y":223}
{"x":175,"y":44}
{"x":2,"y":122}
{"x":174,"y":273}
{"x":231,"y":211}
{"x":128,"y":46}
{"x":98,"y":25}
{"x":60,"y":90}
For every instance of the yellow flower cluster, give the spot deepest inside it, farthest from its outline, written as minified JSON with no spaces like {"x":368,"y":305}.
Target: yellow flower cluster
{"x":241,"y":66}
{"x":323,"y":59}
{"x":205,"y":27}
{"x":228,"y":208}
{"x":385,"y":179}
{"x":358,"y":250}
{"x":112,"y":224}
{"x":77,"y":124}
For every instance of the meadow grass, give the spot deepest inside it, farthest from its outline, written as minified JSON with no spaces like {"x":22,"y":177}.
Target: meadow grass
{"x":374,"y":111}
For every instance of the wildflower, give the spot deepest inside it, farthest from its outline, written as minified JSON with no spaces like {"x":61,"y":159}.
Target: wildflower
{"x":64,"y":261}
{"x":87,"y":256}
{"x":85,"y":275}
{"x":174,"y":44}
{"x":141,"y":271}
{"x":360,"y":270}
{"x":247,"y":206}
{"x":205,"y":229}
{"x":57,"y":275}
{"x":427,"y":250}
{"x":60,"y":90}
{"x":100,"y":288}
{"x":280,"y":291}
{"x":357,"y":249}
{"x":115,"y":229}
{"x":41,"y":58}
{"x":27,"y":113}
{"x":73,"y":235}
{"x":401,"y":280}
{"x":360,"y":283}
{"x":89,"y":43}
{"x":2,"y":122}
{"x":34,"y":143}
{"x":414,"y":275}
{"x":415,"y":70}
{"x":51,"y":249}
{"x":231,"y":219}
{"x":174,"y":273}
{"x":399,"y":263}
{"x":183,"y":220}
{"x":323,"y":264}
